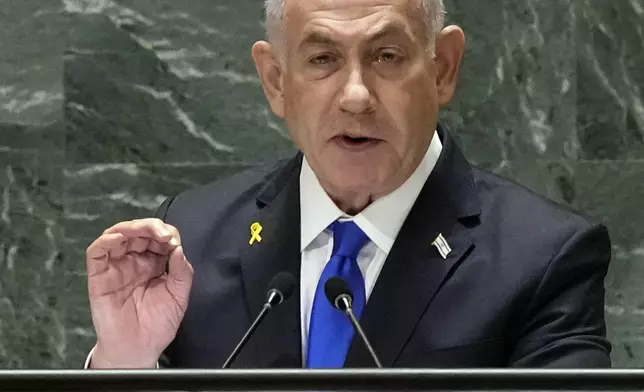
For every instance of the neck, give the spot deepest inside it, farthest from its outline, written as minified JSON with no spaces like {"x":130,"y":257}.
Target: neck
{"x":353,"y":205}
{"x":353,"y":202}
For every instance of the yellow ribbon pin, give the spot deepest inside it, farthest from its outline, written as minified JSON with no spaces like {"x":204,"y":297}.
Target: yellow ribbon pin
{"x":255,"y":229}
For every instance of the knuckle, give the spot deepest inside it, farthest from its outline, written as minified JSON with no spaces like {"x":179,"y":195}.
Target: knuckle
{"x":173,"y":229}
{"x":155,"y":222}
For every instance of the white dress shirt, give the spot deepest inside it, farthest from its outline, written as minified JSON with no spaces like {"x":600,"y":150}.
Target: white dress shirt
{"x":381,"y":221}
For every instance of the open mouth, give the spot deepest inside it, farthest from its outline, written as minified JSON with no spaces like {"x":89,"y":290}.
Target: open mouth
{"x":355,"y":140}
{"x":356,"y":143}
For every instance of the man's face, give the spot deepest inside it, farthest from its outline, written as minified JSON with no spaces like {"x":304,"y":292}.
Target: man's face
{"x":358,"y":91}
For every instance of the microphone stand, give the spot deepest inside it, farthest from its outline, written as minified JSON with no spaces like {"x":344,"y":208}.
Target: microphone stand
{"x":242,"y":342}
{"x":346,"y":302}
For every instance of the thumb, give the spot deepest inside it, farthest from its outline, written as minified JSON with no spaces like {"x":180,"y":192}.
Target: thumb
{"x":180,"y":275}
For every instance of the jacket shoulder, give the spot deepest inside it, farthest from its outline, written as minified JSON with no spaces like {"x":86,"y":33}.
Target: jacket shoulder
{"x":223,"y":195}
{"x":514,"y":207}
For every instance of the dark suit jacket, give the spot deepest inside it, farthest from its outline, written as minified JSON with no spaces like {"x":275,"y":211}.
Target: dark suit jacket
{"x":523,"y":285}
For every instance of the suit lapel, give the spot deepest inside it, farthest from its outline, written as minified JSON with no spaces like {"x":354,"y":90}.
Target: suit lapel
{"x":415,"y":270}
{"x":277,"y":339}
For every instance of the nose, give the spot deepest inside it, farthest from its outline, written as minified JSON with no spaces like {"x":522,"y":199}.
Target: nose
{"x":356,"y":97}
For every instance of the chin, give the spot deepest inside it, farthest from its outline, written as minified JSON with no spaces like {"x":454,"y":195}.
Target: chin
{"x":357,"y":180}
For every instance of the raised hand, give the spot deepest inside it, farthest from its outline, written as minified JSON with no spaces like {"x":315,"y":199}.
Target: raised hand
{"x":139,"y":284}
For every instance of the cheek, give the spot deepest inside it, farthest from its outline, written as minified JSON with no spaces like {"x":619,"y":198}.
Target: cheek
{"x":419,"y":98}
{"x":401,"y":111}
{"x":411,"y":110}
{"x":307,"y":107}
{"x":301,"y":116}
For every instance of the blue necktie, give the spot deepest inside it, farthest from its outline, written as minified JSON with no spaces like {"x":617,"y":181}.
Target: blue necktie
{"x":330,"y":331}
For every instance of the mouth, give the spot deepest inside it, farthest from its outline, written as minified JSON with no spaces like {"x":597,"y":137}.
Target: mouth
{"x":355,"y":143}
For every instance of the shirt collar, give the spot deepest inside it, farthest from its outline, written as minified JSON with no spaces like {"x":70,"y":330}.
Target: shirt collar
{"x":381,"y":221}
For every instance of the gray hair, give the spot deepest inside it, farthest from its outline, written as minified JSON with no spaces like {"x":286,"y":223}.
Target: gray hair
{"x":433,"y":14}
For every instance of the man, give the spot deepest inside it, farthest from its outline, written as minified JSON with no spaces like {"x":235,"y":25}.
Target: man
{"x":450,"y":266}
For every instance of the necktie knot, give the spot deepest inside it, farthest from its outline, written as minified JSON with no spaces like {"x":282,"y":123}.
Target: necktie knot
{"x":348,"y":239}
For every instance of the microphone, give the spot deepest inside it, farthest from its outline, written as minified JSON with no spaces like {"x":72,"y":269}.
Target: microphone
{"x":280,"y":289}
{"x":339,"y":293}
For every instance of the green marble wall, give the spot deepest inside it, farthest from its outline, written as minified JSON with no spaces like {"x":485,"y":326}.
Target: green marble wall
{"x":107,"y":107}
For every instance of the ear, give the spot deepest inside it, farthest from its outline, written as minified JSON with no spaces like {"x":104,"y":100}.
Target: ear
{"x":269,"y":69}
{"x":450,"y":47}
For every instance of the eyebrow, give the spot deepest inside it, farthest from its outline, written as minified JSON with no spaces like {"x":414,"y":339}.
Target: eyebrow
{"x":317,"y":38}
{"x":320,"y":38}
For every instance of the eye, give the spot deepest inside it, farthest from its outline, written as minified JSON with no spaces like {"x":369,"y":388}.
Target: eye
{"x":321,"y":65}
{"x":322,"y":59}
{"x":390,"y":63}
{"x":387,"y":56}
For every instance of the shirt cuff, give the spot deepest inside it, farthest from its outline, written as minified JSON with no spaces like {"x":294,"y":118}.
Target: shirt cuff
{"x":89,"y":359}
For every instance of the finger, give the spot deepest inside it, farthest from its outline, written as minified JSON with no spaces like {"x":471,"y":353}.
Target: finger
{"x":99,"y":252}
{"x":175,"y":233}
{"x":150,"y":265}
{"x":133,"y":270}
{"x":150,"y":228}
{"x":138,"y":244}
{"x":142,"y":244}
{"x":180,"y":276}
{"x":160,"y":248}
{"x":106,"y":243}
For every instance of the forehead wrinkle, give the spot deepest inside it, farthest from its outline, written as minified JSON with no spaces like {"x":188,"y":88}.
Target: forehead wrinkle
{"x":389,"y":26}
{"x":326,"y":35}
